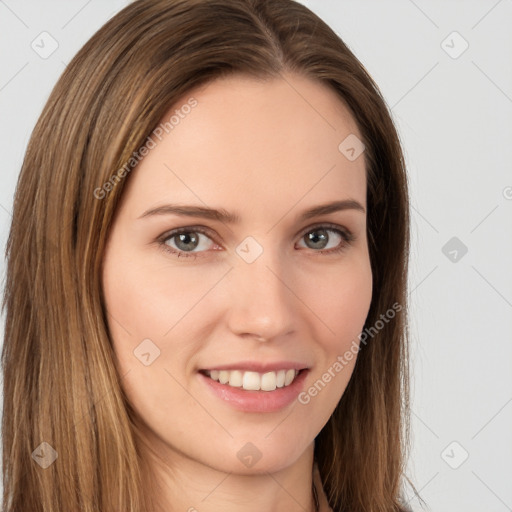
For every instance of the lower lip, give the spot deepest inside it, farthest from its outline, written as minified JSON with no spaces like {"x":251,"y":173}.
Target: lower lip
{"x":257,"y":401}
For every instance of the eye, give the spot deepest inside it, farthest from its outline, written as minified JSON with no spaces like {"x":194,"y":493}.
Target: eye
{"x":319,"y":238}
{"x":183,"y":241}
{"x":187,"y":242}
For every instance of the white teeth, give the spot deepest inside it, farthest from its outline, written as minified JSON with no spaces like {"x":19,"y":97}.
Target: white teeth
{"x":251,"y":381}
{"x":254,"y":381}
{"x":290,"y":375}
{"x":268,"y":381}
{"x":235,"y":378}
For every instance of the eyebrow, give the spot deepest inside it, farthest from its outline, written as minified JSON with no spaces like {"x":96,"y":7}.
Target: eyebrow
{"x":233,"y":218}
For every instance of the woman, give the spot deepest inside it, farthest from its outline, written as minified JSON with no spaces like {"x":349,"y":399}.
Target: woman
{"x":206,"y":286}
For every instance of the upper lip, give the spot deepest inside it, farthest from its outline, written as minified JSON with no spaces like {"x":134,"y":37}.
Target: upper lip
{"x":259,"y":367}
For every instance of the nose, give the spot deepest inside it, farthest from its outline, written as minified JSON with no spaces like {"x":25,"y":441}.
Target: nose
{"x":262,"y":304}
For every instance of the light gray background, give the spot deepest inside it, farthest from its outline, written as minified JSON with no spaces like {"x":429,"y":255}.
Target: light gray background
{"x":454,"y":114}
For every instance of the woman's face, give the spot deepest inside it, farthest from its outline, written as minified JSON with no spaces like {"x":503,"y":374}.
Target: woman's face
{"x":251,"y":300}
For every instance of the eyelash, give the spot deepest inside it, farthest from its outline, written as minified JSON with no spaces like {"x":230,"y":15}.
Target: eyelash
{"x":347,"y":236}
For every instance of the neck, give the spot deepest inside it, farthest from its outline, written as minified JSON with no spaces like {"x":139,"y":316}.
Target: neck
{"x":183,"y":484}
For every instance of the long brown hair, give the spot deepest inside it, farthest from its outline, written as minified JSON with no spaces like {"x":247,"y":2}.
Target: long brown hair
{"x":60,"y":380}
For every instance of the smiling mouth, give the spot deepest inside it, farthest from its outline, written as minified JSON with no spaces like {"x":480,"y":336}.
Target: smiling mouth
{"x":253,"y":381}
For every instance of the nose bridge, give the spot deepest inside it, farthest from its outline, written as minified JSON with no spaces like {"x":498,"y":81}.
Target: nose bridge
{"x":261,"y":302}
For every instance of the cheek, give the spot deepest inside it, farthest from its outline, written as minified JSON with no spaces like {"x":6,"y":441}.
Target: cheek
{"x":156,"y":309}
{"x":147,"y":299}
{"x":150,"y":308}
{"x":341,"y":303}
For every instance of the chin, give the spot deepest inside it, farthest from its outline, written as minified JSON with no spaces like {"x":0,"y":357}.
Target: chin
{"x":256,"y":455}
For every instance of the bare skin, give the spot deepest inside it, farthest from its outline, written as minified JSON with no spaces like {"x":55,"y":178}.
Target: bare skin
{"x":268,"y":153}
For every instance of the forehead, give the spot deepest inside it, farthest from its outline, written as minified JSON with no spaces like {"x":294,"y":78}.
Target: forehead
{"x":250,"y":143}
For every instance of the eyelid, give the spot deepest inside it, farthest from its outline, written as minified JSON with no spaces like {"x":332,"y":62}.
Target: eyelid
{"x":328,"y":225}
{"x":186,"y":229}
{"x":211,"y":233}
